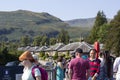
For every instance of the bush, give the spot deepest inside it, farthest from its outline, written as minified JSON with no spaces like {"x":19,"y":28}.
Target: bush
{"x":55,"y":56}
{"x":42,"y":54}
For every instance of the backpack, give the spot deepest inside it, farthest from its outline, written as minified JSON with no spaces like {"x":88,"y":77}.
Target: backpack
{"x":44,"y":74}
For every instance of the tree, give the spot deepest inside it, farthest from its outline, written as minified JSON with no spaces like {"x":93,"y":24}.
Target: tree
{"x":67,"y":37}
{"x":37,"y":40}
{"x":52,"y":41}
{"x":45,"y":40}
{"x":55,"y":56}
{"x":25,"y":40}
{"x":103,"y":32}
{"x":100,"y":20}
{"x":42,"y":54}
{"x":5,"y":55}
{"x":112,"y":42}
{"x":63,"y":37}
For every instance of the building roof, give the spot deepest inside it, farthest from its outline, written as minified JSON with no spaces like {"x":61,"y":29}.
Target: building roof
{"x":33,"y":48}
{"x":28,"y":48}
{"x":55,"y":47}
{"x":70,"y":46}
{"x":85,"y":47}
{"x":43,"y":48}
{"x":21,"y":48}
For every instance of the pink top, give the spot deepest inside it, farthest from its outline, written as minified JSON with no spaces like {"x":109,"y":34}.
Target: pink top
{"x":79,"y":67}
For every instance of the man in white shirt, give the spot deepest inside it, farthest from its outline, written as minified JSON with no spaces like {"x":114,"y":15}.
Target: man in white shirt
{"x":116,"y":68}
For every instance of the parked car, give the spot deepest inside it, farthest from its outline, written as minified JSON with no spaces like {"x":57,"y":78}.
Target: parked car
{"x":13,"y":63}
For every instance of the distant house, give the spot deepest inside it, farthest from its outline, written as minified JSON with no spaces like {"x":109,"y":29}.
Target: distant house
{"x":29,"y":48}
{"x":61,"y":48}
{"x":33,"y":49}
{"x":26,"y":48}
{"x":43,"y":48}
{"x":71,"y":47}
{"x":85,"y":47}
{"x":21,"y":48}
{"x":52,"y":49}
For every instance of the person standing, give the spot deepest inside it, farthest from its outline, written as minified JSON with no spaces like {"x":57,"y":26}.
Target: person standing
{"x":109,"y":64}
{"x":103,"y":67}
{"x":116,"y":68}
{"x":60,"y":69}
{"x":94,"y":65}
{"x":29,"y":63}
{"x":67,"y":65}
{"x":78,"y":67}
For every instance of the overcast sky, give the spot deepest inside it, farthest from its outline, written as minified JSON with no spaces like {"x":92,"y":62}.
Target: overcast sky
{"x":64,"y":9}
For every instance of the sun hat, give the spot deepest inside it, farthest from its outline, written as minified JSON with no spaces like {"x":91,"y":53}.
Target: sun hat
{"x":26,"y":55}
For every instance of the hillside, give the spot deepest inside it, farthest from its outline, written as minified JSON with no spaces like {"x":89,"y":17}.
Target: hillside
{"x":15,"y":24}
{"x":83,"y":23}
{"x":88,"y":22}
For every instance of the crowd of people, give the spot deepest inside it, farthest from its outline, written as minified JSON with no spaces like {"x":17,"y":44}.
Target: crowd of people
{"x":78,"y":67}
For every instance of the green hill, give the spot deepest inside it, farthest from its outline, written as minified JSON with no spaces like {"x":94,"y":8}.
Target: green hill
{"x":15,"y":24}
{"x":88,"y":22}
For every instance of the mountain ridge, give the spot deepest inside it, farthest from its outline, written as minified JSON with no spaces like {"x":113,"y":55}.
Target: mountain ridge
{"x":15,"y":24}
{"x":83,"y":22}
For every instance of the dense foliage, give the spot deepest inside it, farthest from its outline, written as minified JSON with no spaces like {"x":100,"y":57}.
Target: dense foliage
{"x":43,"y":40}
{"x":99,"y":22}
{"x":107,"y":33}
{"x":112,"y":42}
{"x":8,"y":52}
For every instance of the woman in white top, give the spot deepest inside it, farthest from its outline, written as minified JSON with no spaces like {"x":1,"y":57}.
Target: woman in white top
{"x":28,"y":63}
{"x":116,"y":67}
